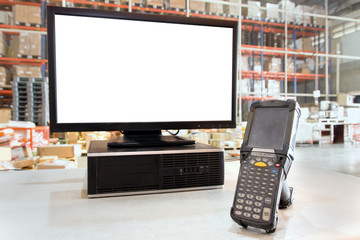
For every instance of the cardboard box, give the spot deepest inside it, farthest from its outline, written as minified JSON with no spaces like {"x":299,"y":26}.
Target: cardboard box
{"x":5,"y":154}
{"x":290,"y":65}
{"x":300,"y":17}
{"x":35,"y":44}
{"x":307,"y":19}
{"x":62,"y":151}
{"x":273,"y":88}
{"x":197,"y":6}
{"x":275,"y":65}
{"x":216,"y":8}
{"x":55,"y":164}
{"x":25,"y":44}
{"x":272,"y":11}
{"x":34,"y":14}
{"x":6,"y":17}
{"x":179,"y":4}
{"x":3,"y":45}
{"x":319,"y":21}
{"x":254,"y":10}
{"x":307,"y":44}
{"x":27,"y":14}
{"x":257,"y":65}
{"x":20,"y":13}
{"x":5,"y":115}
{"x":245,"y":87}
{"x":158,"y":3}
{"x":27,"y":71}
{"x":34,"y":71}
{"x":17,"y":153}
{"x":19,"y":45}
{"x":290,"y":7}
{"x":4,"y":76}
{"x":133,"y":2}
{"x":234,"y":9}
{"x":24,"y":162}
{"x":46,"y":158}
{"x":259,"y":88}
{"x":245,"y":63}
{"x":71,"y":137}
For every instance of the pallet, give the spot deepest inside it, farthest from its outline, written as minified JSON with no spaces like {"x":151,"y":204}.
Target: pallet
{"x":28,"y":56}
{"x":272,"y":20}
{"x":232,"y":16}
{"x":155,"y":7}
{"x":110,"y":1}
{"x":331,"y":120}
{"x":32,"y":1}
{"x":25,"y":24}
{"x":254,"y":18}
{"x":177,"y":9}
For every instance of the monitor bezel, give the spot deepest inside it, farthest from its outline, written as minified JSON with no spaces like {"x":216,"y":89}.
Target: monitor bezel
{"x":132,"y":126}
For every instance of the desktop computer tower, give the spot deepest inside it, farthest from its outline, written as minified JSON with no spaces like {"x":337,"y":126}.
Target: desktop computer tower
{"x":130,"y":171}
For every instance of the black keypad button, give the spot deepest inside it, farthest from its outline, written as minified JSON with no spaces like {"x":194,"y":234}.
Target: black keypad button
{"x":247,"y":214}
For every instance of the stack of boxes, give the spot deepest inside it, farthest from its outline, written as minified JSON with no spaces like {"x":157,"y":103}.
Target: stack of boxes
{"x":273,"y":88}
{"x":215,"y":9}
{"x":197,"y":6}
{"x":177,"y":4}
{"x":272,"y":12}
{"x":254,"y":11}
{"x":27,"y":15}
{"x":318,"y":21}
{"x":300,"y":17}
{"x":274,"y":65}
{"x":25,"y":45}
{"x":3,"y":45}
{"x":4,"y":76}
{"x":21,"y":45}
{"x":287,"y":5}
{"x":259,"y":88}
{"x":155,"y":3}
{"x":6,"y":18}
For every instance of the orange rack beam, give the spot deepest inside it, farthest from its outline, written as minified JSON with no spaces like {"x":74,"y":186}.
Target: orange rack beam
{"x":280,"y":75}
{"x":5,"y":93}
{"x":11,"y":3}
{"x":23,"y":27}
{"x":17,"y":61}
{"x":276,"y":53}
{"x":253,"y":98}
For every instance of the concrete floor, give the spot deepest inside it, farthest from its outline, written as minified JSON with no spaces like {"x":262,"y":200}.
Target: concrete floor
{"x":342,"y":158}
{"x":52,"y":204}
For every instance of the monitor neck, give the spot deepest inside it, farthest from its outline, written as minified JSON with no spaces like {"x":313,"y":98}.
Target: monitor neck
{"x":146,"y":133}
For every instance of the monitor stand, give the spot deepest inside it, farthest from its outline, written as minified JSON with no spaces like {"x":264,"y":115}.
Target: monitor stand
{"x":146,"y":139}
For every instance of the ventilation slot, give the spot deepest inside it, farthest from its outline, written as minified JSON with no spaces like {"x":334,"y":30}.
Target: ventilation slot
{"x":192,"y":170}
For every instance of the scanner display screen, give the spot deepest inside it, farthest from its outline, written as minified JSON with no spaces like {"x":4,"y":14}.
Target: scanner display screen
{"x":268,"y":128}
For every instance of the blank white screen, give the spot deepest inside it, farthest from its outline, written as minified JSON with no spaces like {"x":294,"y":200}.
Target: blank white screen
{"x":112,"y":70}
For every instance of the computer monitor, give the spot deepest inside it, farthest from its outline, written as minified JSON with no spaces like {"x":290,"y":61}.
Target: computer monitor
{"x":121,"y":71}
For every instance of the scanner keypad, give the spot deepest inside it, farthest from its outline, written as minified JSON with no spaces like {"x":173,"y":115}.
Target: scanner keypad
{"x":259,"y":173}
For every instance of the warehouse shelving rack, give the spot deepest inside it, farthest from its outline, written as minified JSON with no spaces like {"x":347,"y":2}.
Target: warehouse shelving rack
{"x":258,"y":49}
{"x":16,"y":29}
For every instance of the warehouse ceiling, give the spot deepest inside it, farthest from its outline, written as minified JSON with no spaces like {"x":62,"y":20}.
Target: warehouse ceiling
{"x":336,"y":7}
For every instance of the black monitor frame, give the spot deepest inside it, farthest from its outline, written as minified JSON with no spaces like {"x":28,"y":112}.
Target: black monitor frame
{"x":133,"y":126}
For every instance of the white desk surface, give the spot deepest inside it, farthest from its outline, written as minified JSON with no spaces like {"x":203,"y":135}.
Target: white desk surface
{"x":52,"y":204}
